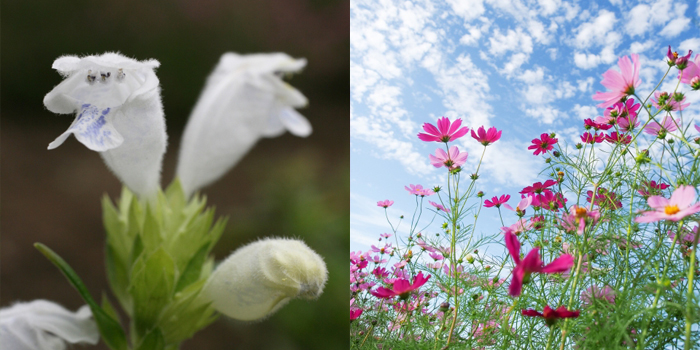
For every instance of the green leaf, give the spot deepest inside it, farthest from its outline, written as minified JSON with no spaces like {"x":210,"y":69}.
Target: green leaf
{"x":152,"y":283}
{"x":111,"y":331}
{"x":109,"y":308}
{"x":193,"y":269}
{"x":118,"y":277}
{"x":152,"y":341}
{"x":151,"y":234}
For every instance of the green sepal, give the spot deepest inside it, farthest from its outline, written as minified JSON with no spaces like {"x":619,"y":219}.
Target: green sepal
{"x":111,"y":331}
{"x":152,"y":284}
{"x":193,"y":269}
{"x":186,"y":314}
{"x":109,"y":308}
{"x":152,"y":341}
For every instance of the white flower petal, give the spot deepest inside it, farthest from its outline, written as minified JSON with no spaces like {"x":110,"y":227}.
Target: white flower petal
{"x":44,"y":325}
{"x":118,"y":113}
{"x":241,"y":102}
{"x":258,"y":279}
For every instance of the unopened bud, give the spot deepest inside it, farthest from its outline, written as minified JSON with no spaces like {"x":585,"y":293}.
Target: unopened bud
{"x":470,"y":258}
{"x":258,"y":279}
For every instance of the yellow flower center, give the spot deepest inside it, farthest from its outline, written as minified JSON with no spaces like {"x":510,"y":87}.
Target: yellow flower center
{"x":580,"y":213}
{"x":671,"y":209}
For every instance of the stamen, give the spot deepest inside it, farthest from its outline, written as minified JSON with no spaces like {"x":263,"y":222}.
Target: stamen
{"x":671,"y":209}
{"x":120,"y":74}
{"x":91,"y":77}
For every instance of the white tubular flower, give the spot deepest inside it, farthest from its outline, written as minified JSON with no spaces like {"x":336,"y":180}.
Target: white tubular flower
{"x":258,"y":279}
{"x":243,"y":100}
{"x":44,"y":325}
{"x":118,"y":113}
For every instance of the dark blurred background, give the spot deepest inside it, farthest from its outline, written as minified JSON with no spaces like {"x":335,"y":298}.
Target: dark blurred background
{"x":285,"y":186}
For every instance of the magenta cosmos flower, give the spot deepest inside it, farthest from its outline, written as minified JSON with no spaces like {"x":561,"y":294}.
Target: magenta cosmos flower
{"x":592,"y":139}
{"x":439,"y":206}
{"x":402,"y":287}
{"x":531,"y":263}
{"x":487,"y":137}
{"x":620,"y":83}
{"x":385,"y":203}
{"x":522,"y":205}
{"x":543,"y":144}
{"x":674,"y":209}
{"x":550,"y":315}
{"x":451,"y":161}
{"x":444,"y":132}
{"x":496,"y":201}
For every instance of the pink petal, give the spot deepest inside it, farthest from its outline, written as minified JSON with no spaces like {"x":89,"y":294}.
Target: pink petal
{"x":454,"y":126}
{"x":650,"y":216}
{"x":382,"y":292}
{"x":402,"y":286}
{"x":443,"y":125}
{"x":657,"y":202}
{"x":683,"y":196}
{"x":459,"y":133}
{"x":513,"y":246}
{"x":431,"y":129}
{"x":560,"y":264}
{"x":435,"y":161}
{"x":516,"y":284}
{"x":428,"y":138}
{"x":532,"y":262}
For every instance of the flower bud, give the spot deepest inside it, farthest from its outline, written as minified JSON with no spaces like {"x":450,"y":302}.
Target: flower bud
{"x":470,"y":258}
{"x":261,"y":277}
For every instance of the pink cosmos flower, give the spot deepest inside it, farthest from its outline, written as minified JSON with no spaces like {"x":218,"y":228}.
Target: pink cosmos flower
{"x":622,"y":109}
{"x":445,"y":131}
{"x":439,"y":206}
{"x":592,"y":139}
{"x":674,"y":209}
{"x":496,"y":201}
{"x":691,"y":71}
{"x":628,"y":123}
{"x":519,"y":227}
{"x":402,"y":287}
{"x":550,"y":315}
{"x":594,"y":292}
{"x":385,"y":203}
{"x":549,"y":200}
{"x":697,"y":127}
{"x":604,"y":199}
{"x":682,"y":62}
{"x":451,"y":161}
{"x":686,"y":240}
{"x":355,"y":314}
{"x":436,"y":256}
{"x":674,"y":102}
{"x":418,"y":190}
{"x":543,"y":144}
{"x":652,"y":188}
{"x":577,"y":218}
{"x":667,"y":125}
{"x":523,"y":204}
{"x":385,"y":235}
{"x":597,"y":124}
{"x":621,"y":83}
{"x":539,"y":187}
{"x":531,"y":263}
{"x":386,"y":249}
{"x":487,"y":137}
{"x":614,"y":137}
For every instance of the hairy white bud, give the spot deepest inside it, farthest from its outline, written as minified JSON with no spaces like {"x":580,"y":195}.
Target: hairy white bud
{"x":261,"y":277}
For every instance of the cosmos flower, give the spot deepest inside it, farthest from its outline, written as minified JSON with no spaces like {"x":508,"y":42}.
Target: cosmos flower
{"x":592,"y":139}
{"x":439,"y":206}
{"x":385,"y":203}
{"x":401,"y":288}
{"x":594,"y":292}
{"x":522,"y":205}
{"x":620,"y":84}
{"x":446,"y":131}
{"x":543,"y":144}
{"x":676,"y":208}
{"x":451,"y":161}
{"x":550,"y":315}
{"x":531,"y":263}
{"x":487,"y":137}
{"x":577,"y":219}
{"x":496,"y":201}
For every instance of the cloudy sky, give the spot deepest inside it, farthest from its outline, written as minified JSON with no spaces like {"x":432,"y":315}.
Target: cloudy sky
{"x":524,"y":66}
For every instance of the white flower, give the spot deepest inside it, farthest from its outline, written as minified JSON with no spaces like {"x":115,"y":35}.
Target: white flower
{"x":244,"y":99}
{"x":258,"y":279}
{"x":119,"y":113}
{"x":44,"y":325}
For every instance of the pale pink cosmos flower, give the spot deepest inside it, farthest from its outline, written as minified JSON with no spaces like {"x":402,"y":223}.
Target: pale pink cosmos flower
{"x":667,"y":125}
{"x":519,"y":227}
{"x":674,"y":209}
{"x":578,"y":217}
{"x":451,"y":161}
{"x":522,"y":205}
{"x":628,"y":123}
{"x":418,"y":190}
{"x":673,"y":102}
{"x":487,"y":137}
{"x":385,"y":203}
{"x":620,"y":83}
{"x":697,"y":127}
{"x":444,"y":132}
{"x":531,"y":263}
{"x":691,"y":71}
{"x":594,"y":292}
{"x":439,"y":206}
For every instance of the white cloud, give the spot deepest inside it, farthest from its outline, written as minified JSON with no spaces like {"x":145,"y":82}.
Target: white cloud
{"x":361,"y":80}
{"x":596,"y":31}
{"x":553,"y":51}
{"x":588,"y":61}
{"x":584,"y":85}
{"x":545,"y":114}
{"x":506,"y":162}
{"x":584,"y":112}
{"x":514,"y":63}
{"x":513,"y":40}
{"x":689,"y":44}
{"x":467,"y":9}
{"x":637,"y":47}
{"x":548,"y":7}
{"x":675,"y":27}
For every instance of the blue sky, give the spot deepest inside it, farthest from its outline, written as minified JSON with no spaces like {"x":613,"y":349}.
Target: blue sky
{"x":525,"y":67}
